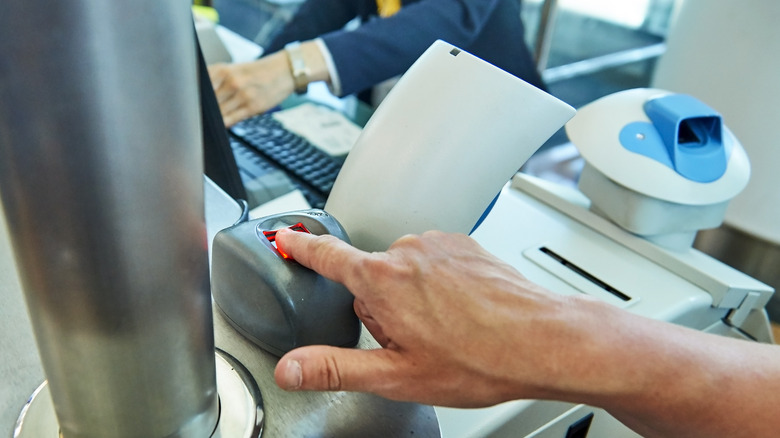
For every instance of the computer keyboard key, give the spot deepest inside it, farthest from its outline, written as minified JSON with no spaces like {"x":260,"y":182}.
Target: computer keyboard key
{"x":310,"y":169}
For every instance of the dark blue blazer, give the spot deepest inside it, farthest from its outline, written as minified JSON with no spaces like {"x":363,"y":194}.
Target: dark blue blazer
{"x":383,"y":48}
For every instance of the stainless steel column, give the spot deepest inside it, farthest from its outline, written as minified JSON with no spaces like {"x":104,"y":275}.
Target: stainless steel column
{"x":100,"y":177}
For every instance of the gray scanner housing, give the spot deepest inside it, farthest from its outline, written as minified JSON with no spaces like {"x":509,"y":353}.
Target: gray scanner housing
{"x":275,"y":302}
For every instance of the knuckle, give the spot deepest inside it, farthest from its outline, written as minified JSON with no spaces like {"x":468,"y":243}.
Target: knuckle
{"x":330,"y":375}
{"x":230,"y":80}
{"x":406,"y":240}
{"x":371,"y":267}
{"x":368,"y":265}
{"x":383,"y":269}
{"x":434,"y":234}
{"x":322,"y":247}
{"x":243,"y":94}
{"x":323,"y":254}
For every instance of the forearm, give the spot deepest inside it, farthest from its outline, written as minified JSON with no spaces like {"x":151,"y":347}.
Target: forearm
{"x":315,"y":62}
{"x":665,"y":380}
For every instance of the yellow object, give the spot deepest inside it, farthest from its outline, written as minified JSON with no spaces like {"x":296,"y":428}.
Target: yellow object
{"x":388,"y":8}
{"x":206,"y":12}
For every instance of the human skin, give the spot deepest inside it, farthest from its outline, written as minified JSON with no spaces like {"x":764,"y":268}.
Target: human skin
{"x":460,"y":328}
{"x":246,"y":89}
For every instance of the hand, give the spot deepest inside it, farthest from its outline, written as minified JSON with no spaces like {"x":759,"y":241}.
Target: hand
{"x":244,"y":90}
{"x":460,"y":328}
{"x":448,"y":315}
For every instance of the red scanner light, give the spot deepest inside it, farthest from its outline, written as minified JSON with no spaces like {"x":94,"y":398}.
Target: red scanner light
{"x":271,"y":236}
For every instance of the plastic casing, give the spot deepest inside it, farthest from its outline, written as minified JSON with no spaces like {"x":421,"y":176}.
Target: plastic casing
{"x":595,"y":132}
{"x":277,"y":303}
{"x":641,"y":194}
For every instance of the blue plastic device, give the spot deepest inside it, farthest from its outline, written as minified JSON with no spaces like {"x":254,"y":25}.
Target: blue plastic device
{"x":684,"y":135}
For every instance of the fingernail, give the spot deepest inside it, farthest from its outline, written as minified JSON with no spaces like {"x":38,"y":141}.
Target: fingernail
{"x":292,"y":375}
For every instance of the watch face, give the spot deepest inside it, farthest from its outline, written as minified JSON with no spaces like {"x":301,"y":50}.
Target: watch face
{"x":298,"y":68}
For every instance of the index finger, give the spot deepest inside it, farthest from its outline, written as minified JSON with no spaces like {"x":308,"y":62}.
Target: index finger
{"x":325,"y":254}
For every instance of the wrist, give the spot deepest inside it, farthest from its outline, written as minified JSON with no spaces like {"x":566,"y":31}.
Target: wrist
{"x":306,"y":64}
{"x":589,"y":351}
{"x":619,"y":361}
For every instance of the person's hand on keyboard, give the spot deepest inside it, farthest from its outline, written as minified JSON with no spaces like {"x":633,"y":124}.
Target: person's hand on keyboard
{"x":244,"y":90}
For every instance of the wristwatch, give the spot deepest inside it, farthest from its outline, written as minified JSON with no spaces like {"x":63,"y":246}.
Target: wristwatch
{"x":300,"y":71}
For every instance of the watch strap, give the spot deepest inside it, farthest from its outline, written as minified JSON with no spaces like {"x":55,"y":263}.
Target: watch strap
{"x":300,"y":71}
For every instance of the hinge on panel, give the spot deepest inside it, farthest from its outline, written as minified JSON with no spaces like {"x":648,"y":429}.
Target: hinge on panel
{"x":753,"y":300}
{"x":749,"y":317}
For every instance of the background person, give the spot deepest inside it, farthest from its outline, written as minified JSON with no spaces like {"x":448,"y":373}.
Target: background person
{"x":383,"y":46}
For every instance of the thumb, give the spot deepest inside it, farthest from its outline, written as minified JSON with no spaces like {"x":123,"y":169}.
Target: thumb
{"x":324,"y":368}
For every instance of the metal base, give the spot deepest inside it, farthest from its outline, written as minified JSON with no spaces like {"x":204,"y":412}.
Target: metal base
{"x":240,"y":403}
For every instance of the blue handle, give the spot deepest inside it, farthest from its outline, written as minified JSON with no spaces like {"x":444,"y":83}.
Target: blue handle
{"x":685,"y":134}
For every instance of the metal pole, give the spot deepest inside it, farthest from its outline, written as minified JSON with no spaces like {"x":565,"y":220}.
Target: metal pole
{"x":544,"y":33}
{"x":101,"y":183}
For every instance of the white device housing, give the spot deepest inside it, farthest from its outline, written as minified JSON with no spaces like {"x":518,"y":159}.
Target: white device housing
{"x":721,"y":52}
{"x":439,"y":148}
{"x":546,"y":231}
{"x":638,"y":193}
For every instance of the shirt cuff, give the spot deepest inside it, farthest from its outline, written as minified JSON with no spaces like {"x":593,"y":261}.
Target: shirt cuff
{"x":335,"y":82}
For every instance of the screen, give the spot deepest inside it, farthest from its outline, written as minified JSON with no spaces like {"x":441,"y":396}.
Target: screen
{"x":219,"y":161}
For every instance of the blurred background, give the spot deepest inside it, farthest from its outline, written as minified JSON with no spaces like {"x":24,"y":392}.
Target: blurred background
{"x":584,"y":49}
{"x":587,"y":49}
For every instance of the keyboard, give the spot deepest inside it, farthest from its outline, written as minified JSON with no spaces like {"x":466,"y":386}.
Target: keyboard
{"x":273,"y":161}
